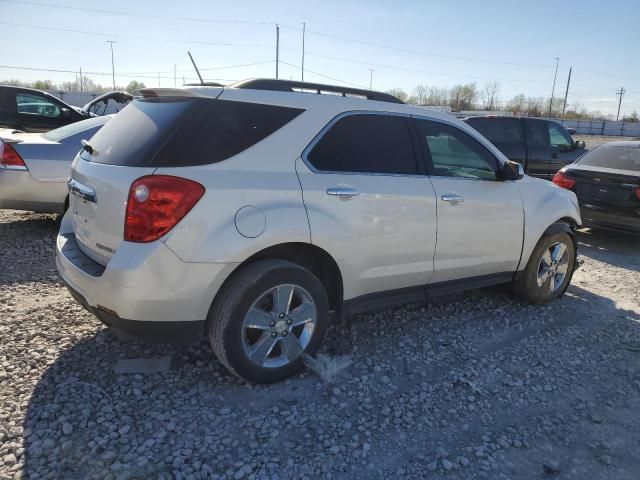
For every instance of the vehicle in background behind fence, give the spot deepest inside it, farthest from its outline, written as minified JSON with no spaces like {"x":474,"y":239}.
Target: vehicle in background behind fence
{"x":29,"y":110}
{"x":541,"y":146}
{"x":35,"y":167}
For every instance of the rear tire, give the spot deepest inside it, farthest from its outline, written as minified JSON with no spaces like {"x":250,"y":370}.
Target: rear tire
{"x":549,"y":270}
{"x":265,"y":317}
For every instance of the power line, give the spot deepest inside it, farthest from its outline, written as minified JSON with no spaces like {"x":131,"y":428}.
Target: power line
{"x":133,"y":14}
{"x":322,"y":75}
{"x":135,"y":37}
{"x":418,"y":52}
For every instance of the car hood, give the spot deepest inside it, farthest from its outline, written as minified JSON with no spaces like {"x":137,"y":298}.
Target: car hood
{"x":119,"y":97}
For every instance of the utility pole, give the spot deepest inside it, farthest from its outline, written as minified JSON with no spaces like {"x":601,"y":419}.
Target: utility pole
{"x":370,"y":78}
{"x":175,"y":79}
{"x":619,"y":93}
{"x":304,"y":28}
{"x":553,"y":89}
{"x":277,"y":48}
{"x":566,"y":93}
{"x":81,"y":79}
{"x":158,"y":78}
{"x":113,"y":69}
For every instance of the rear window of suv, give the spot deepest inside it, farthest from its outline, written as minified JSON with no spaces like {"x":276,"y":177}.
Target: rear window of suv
{"x":179,"y":132}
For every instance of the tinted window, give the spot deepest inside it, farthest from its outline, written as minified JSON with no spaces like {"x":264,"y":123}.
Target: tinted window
{"x":622,"y":158}
{"x":505,"y":130}
{"x":77,"y":127}
{"x":558,"y":136}
{"x":537,"y":133}
{"x":36,"y":105}
{"x":199,"y":131}
{"x":219,"y":129}
{"x":134,"y":135}
{"x":366,"y":143}
{"x":455,"y":153}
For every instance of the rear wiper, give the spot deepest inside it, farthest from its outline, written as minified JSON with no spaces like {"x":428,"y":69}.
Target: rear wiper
{"x":87,"y":146}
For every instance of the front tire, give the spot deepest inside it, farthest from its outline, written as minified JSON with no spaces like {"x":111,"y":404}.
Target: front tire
{"x":265,"y":317}
{"x":549,"y":270}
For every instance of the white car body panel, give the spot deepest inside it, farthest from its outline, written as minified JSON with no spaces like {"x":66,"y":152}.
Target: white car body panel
{"x":397,"y":233}
{"x":382,"y":239}
{"x":482,"y":235}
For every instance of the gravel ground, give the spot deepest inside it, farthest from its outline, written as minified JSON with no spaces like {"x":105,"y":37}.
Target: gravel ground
{"x":474,"y":385}
{"x":595,"y":140}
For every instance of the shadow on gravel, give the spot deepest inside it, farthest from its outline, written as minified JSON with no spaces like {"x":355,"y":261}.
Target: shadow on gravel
{"x":615,"y":248}
{"x":24,"y":241}
{"x":85,"y":421}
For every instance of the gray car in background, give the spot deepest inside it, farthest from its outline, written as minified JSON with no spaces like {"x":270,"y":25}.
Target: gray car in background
{"x":34,"y":167}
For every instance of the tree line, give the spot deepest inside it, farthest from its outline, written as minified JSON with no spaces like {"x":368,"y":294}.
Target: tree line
{"x":469,"y":96}
{"x":80,"y":84}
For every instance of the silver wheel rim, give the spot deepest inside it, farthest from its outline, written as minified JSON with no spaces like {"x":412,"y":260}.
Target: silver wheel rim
{"x":553,"y":267}
{"x":279,"y":326}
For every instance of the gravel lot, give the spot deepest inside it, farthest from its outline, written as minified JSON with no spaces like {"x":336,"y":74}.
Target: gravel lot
{"x":474,"y":385}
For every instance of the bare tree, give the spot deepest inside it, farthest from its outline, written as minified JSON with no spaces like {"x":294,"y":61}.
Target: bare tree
{"x":489,"y":95}
{"x":517,"y":104}
{"x":399,"y":93}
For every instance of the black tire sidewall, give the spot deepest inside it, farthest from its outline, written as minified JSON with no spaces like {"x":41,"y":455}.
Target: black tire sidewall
{"x":532,"y":291}
{"x":248,"y":289}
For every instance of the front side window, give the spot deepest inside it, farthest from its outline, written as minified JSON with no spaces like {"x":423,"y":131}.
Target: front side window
{"x":558,"y":137}
{"x":455,"y":153}
{"x":36,"y":105}
{"x":366,"y":143}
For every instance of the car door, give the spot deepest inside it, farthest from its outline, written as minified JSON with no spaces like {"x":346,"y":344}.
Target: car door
{"x":38,"y":113}
{"x":480,"y":217}
{"x":539,"y":151}
{"x":8,"y":113}
{"x":369,"y":202}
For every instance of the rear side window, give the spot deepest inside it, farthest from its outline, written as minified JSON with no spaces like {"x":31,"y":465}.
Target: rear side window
{"x":621,"y":158}
{"x":180,"y":132}
{"x":498,"y":130}
{"x":215,"y":130}
{"x":366,"y":143}
{"x":537,"y":133}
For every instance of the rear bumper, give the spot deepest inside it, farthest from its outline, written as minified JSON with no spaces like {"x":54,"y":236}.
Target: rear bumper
{"x":144,"y":290}
{"x":175,"y":332}
{"x":20,"y":191}
{"x":597,"y":218}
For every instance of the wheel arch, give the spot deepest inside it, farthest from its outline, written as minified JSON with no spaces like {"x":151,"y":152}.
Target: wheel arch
{"x":313,"y":258}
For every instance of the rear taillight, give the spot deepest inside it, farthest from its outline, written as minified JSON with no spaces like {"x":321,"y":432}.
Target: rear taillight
{"x":9,"y":158}
{"x":562,"y":180}
{"x":637,"y":192}
{"x":156,"y":204}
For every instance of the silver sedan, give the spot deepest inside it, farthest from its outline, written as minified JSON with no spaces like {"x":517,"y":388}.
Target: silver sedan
{"x":34,"y":167}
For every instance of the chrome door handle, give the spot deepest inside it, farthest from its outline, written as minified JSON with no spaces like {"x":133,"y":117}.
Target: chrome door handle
{"x":452,"y":198}
{"x":343,"y":192}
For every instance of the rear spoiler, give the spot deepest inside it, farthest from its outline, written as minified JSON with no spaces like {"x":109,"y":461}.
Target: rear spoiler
{"x":6,"y":139}
{"x":191,"y":91}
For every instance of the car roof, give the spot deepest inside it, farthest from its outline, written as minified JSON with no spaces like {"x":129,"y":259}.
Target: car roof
{"x":339,"y":99}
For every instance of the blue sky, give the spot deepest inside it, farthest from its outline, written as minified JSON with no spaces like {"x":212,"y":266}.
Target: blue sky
{"x":448,"y":42}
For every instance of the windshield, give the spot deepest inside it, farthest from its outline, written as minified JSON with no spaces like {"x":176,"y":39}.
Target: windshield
{"x":73,"y":128}
{"x":619,"y":157}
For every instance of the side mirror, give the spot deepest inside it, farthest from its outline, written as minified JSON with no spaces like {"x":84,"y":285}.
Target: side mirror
{"x":66,"y":113}
{"x":511,"y":171}
{"x":579,"y":144}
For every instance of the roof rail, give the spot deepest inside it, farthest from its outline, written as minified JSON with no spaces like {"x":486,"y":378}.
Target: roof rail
{"x":293,"y":86}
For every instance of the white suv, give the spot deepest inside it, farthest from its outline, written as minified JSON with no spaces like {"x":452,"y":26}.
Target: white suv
{"x":246,"y":213}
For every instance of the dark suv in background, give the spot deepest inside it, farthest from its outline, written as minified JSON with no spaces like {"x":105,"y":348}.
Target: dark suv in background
{"x":542,"y":146}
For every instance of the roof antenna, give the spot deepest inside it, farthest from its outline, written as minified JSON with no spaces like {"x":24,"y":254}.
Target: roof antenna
{"x":194,"y":66}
